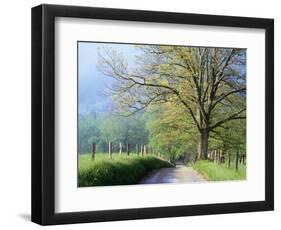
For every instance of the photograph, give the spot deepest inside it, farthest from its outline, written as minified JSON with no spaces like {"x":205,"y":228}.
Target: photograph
{"x":160,"y":113}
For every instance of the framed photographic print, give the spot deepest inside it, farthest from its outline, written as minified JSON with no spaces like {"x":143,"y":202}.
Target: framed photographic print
{"x":142,"y":114}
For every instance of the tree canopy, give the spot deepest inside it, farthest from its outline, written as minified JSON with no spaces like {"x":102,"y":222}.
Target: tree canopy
{"x":201,"y":90}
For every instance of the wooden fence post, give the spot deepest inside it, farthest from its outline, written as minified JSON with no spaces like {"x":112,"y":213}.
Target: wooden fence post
{"x":128,"y":149}
{"x":220,"y":156}
{"x":109,"y":149}
{"x":244,"y":158}
{"x":215,"y":157}
{"x":137,"y":149}
{"x":120,"y":148}
{"x":93,"y":151}
{"x":236,"y":162}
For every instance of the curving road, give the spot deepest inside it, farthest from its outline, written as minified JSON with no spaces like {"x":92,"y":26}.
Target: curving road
{"x":178,"y":174}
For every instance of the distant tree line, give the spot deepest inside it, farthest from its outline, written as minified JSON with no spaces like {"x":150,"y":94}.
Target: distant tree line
{"x":102,"y":128}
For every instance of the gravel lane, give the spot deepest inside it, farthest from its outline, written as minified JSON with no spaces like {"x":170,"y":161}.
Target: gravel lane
{"x":178,"y":174}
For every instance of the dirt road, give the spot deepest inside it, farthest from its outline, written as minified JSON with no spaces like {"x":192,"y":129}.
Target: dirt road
{"x":178,"y":174}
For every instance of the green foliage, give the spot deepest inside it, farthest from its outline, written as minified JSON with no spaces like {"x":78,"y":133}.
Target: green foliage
{"x":88,"y":132}
{"x":120,"y":170}
{"x":207,"y":85}
{"x":124,"y":129}
{"x":102,"y":128}
{"x":219,"y":172}
{"x":230,"y":138}
{"x":171,"y":132}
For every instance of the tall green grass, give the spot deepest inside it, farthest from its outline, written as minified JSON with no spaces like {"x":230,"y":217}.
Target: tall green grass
{"x":120,"y":170}
{"x":219,"y":172}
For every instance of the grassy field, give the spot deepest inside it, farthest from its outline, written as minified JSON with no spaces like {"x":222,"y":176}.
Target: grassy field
{"x":120,"y":170}
{"x":219,"y":172}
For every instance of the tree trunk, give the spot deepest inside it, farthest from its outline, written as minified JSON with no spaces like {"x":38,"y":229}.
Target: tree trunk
{"x":202,"y":148}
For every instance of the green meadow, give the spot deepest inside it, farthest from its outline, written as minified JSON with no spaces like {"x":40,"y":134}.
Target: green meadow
{"x":119,"y":170}
{"x":220,"y":172}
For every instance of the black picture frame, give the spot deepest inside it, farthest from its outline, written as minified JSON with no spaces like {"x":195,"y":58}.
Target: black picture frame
{"x":43,"y":114}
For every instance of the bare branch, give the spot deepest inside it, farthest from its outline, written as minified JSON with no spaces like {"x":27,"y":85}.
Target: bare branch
{"x":234,"y":116}
{"x":225,"y":95}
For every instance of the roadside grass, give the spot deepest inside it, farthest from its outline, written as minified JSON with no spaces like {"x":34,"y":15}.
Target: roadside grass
{"x":120,"y":170}
{"x":219,"y":172}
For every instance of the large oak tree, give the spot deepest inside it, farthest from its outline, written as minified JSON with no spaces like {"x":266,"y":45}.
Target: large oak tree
{"x":209,"y":83}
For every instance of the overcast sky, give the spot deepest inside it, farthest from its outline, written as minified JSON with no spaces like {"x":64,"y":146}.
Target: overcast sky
{"x":91,"y":82}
